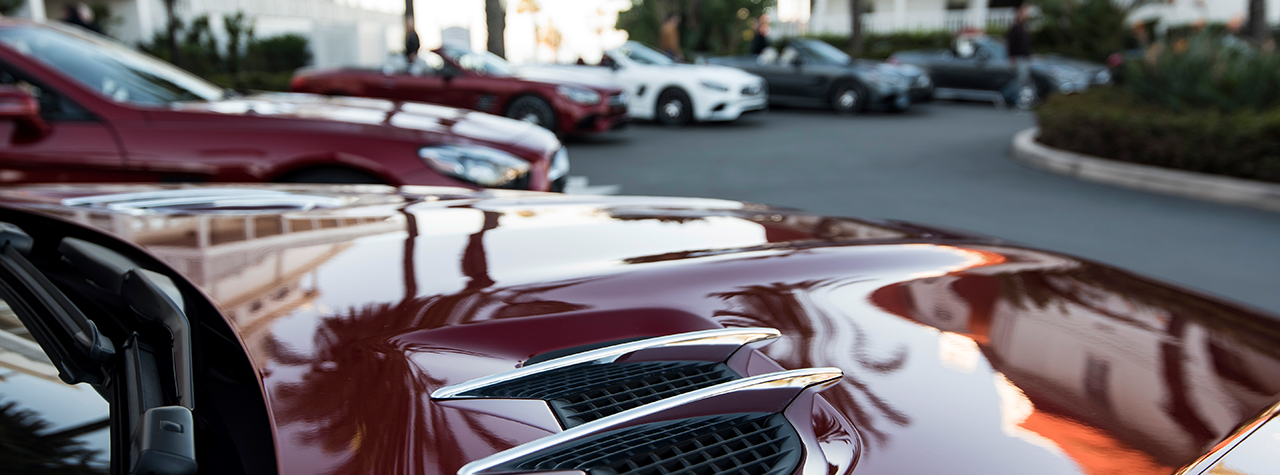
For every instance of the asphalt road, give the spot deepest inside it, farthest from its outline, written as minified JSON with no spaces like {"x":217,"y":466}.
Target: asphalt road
{"x":945,"y":164}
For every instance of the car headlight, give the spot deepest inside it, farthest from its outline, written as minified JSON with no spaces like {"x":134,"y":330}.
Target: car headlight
{"x":1102,"y":77}
{"x":479,"y":165}
{"x":559,"y":165}
{"x":579,"y":95}
{"x":715,"y":86}
{"x":924,"y":81}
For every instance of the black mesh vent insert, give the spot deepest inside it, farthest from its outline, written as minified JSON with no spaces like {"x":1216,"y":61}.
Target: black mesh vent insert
{"x":583,"y":393}
{"x":737,"y":444}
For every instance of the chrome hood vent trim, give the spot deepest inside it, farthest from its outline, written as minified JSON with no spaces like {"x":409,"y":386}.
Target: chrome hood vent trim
{"x":571,"y":390}
{"x":783,"y":388}
{"x":729,"y":336}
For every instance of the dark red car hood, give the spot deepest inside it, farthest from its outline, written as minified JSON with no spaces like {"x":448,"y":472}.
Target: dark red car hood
{"x":959,"y":355}
{"x":395,"y":116}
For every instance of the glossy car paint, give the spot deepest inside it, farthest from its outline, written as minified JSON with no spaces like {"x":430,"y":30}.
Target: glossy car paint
{"x":988,"y":70}
{"x":262,"y":137}
{"x":959,"y":354}
{"x":468,"y":90}
{"x":811,"y":80}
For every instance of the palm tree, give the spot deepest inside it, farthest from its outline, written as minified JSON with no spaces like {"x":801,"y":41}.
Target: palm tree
{"x":1258,"y":30}
{"x":495,"y":19}
{"x":855,"y":34}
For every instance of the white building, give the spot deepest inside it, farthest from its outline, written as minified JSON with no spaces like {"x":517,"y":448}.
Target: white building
{"x":341,"y":32}
{"x":832,"y":16}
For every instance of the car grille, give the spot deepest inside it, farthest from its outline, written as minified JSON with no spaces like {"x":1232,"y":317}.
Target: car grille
{"x":586,"y":392}
{"x":739,"y":444}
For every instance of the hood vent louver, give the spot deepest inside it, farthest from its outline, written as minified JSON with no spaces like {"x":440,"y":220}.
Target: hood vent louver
{"x":743,"y":444}
{"x":582,"y":387}
{"x":663,"y":438}
{"x":586,"y":392}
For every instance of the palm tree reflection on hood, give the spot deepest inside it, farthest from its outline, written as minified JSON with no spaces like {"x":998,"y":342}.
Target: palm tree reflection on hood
{"x":819,"y":339}
{"x":361,"y":394}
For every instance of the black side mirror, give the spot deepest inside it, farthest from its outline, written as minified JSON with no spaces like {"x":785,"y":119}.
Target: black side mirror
{"x":20,"y":106}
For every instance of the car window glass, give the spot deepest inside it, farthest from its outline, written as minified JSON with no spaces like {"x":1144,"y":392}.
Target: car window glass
{"x":109,"y":68}
{"x":50,"y":427}
{"x":788,"y":56}
{"x":824,"y":52}
{"x":642,"y":54}
{"x":482,"y":63}
{"x":53,"y":106}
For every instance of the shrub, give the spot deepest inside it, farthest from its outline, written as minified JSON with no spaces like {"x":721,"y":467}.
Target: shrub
{"x":1085,"y":29}
{"x":278,"y":54}
{"x":1207,"y":71}
{"x":245,"y":81}
{"x":1119,"y":124}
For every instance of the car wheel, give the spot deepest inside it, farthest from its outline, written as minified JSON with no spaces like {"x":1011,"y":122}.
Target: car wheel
{"x":331,"y":176}
{"x":848,"y":98}
{"x":1026,"y":97}
{"x":674,"y":108}
{"x":533,"y":110}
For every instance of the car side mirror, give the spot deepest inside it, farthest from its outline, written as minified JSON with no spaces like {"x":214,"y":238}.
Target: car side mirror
{"x":798,"y":61}
{"x":614,"y":65}
{"x":23,"y":109}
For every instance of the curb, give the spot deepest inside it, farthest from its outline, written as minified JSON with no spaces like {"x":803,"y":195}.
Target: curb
{"x":1201,"y":186}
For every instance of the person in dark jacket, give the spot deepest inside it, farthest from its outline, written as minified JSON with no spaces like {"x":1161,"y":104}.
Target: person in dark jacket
{"x":761,"y":39}
{"x":411,"y":42}
{"x":1019,"y":42}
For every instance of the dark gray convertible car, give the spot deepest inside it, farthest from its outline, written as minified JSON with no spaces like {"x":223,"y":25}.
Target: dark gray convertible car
{"x":978,"y":68}
{"x":810,"y":72}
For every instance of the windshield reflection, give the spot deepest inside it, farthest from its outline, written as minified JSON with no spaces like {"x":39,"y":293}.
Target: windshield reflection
{"x":108,"y":68}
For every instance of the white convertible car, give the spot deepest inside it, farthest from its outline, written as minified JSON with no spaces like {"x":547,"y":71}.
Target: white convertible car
{"x":670,"y":93}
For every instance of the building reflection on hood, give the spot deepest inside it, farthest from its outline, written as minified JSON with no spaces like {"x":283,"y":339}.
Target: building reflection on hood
{"x":1122,"y":375}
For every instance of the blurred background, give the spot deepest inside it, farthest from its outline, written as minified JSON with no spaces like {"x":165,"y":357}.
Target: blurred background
{"x":925,"y":128}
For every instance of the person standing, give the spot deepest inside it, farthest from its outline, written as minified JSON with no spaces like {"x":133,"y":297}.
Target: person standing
{"x":761,"y":39}
{"x":1019,"y":43}
{"x":411,"y":42}
{"x":670,"y":37}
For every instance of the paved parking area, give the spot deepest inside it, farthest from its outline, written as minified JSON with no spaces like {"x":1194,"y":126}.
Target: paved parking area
{"x":945,"y":164}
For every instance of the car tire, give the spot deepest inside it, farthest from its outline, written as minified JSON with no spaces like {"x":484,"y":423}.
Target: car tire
{"x":533,"y":110}
{"x":1026,"y":97}
{"x":849,"y":98}
{"x":331,"y":176}
{"x":673,"y":109}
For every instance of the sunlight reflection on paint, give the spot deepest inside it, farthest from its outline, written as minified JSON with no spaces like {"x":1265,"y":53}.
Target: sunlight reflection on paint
{"x":1015,"y":408}
{"x":958,"y":352}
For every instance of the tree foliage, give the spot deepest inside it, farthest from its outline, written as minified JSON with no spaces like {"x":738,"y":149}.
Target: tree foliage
{"x":1086,"y":29}
{"x":712,"y":26}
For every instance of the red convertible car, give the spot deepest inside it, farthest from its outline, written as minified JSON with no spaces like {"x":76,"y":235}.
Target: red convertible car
{"x":79,"y":107}
{"x":334,"y":330}
{"x":479,"y":81}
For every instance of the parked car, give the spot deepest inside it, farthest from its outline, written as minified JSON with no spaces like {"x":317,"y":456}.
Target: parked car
{"x":977,"y":67}
{"x":810,"y":72}
{"x":80,"y":107}
{"x":310,"y":329}
{"x":478,"y":81}
{"x":662,"y":90}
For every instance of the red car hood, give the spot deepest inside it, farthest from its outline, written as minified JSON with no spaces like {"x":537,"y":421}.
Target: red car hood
{"x":958,"y":355}
{"x":464,"y":124}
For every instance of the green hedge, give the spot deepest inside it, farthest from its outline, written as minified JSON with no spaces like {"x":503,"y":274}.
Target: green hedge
{"x":1115,"y":123}
{"x":253,"y":81}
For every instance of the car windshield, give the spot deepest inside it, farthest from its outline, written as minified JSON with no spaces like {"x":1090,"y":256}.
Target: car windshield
{"x":483,"y":63}
{"x":109,"y":68}
{"x":823,"y":52}
{"x":643,"y":54}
